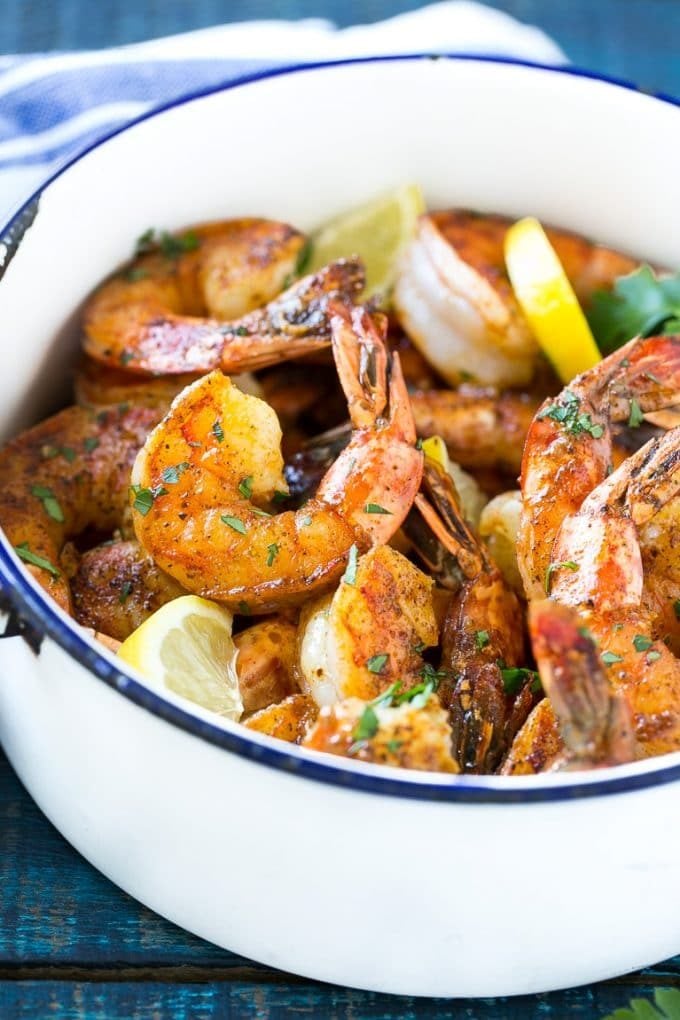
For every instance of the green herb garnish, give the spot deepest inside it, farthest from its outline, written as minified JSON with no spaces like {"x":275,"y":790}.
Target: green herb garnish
{"x":636,"y":417}
{"x":377,"y":663}
{"x":245,"y":487}
{"x":171,"y":475}
{"x":375,"y":508}
{"x":173,"y":246}
{"x":125,"y":591}
{"x":482,"y":639}
{"x":350,"y":575}
{"x":653,"y":656}
{"x":565,"y":410}
{"x":90,"y":443}
{"x":24,"y":553}
{"x":234,"y":522}
{"x":609,"y":658}
{"x":666,"y":1001}
{"x":144,"y":498}
{"x":552,"y":567}
{"x":639,"y":304}
{"x":135,"y":273}
{"x":514,"y":678}
{"x":218,"y":431}
{"x":49,"y":501}
{"x":273,"y":551}
{"x":642,"y":643}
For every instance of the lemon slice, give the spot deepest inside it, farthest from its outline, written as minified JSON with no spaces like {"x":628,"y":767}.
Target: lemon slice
{"x":378,"y":232}
{"x":186,"y":646}
{"x":548,"y":300}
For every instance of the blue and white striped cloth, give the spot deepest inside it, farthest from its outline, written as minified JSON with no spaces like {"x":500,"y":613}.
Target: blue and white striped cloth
{"x":54,"y":106}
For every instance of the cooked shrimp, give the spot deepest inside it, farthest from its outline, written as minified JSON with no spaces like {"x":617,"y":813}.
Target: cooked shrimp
{"x":69,"y":473}
{"x":455,"y":301}
{"x":481,"y":428}
{"x":204,"y":475}
{"x":96,"y":385}
{"x":287,"y":720}
{"x":568,"y":451}
{"x":267,"y":655}
{"x":595,"y":720}
{"x":498,"y":527}
{"x":410,"y":736}
{"x":370,"y":633}
{"x":117,"y":586}
{"x":483,"y":636}
{"x":600,"y":574}
{"x":202,"y":309}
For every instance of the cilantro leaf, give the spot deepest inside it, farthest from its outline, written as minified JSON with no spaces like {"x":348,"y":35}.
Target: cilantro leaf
{"x":350,"y":575}
{"x":25,"y":554}
{"x":567,"y":564}
{"x":514,"y":679}
{"x":236,"y":524}
{"x":377,"y":663}
{"x":639,"y":304}
{"x":245,"y":487}
{"x":144,"y":498}
{"x":49,"y":501}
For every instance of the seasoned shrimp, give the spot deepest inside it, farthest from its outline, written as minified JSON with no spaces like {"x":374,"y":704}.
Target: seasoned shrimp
{"x":267,"y":654}
{"x":204,"y":475}
{"x":455,"y":301}
{"x":69,"y":473}
{"x":410,"y":735}
{"x":370,"y":633}
{"x":483,"y":638}
{"x":117,"y":586}
{"x":600,"y":574}
{"x":202,"y":309}
{"x":286,"y":720}
{"x":568,"y":451}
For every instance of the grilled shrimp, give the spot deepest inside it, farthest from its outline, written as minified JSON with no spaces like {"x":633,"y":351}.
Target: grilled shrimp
{"x":410,"y":736}
{"x":454,"y":299}
{"x":483,"y":638}
{"x":201,"y":310}
{"x":204,"y":476}
{"x":69,"y":473}
{"x":600,"y":574}
{"x":370,"y":633}
{"x":568,"y":451}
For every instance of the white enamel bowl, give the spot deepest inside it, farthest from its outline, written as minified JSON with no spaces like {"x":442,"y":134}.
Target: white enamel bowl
{"x":410,"y":883}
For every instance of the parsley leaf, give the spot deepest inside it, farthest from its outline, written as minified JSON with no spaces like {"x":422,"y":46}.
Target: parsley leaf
{"x":640,"y":304}
{"x":171,"y":475}
{"x":273,"y":551}
{"x":482,"y":639}
{"x":514,"y":679}
{"x":567,"y":564}
{"x":350,"y":575}
{"x":172,"y":246}
{"x":609,"y":658}
{"x":25,"y":554}
{"x":245,"y":487}
{"x":418,"y":696}
{"x":49,"y":501}
{"x":636,"y":417}
{"x":144,"y":498}
{"x":377,"y":663}
{"x":125,"y":590}
{"x":367,"y":726}
{"x":217,"y":431}
{"x":642,"y":643}
{"x":375,"y":508}
{"x":90,"y":443}
{"x":565,"y":410}
{"x":236,"y":523}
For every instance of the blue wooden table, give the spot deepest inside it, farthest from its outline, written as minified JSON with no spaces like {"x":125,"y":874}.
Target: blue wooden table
{"x":72,"y":946}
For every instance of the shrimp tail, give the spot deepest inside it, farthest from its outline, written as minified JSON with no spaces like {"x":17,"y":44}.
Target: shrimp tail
{"x":595,"y":721}
{"x":295,"y":323}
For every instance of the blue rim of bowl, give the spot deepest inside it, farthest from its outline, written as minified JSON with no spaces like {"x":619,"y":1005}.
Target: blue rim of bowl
{"x":35,"y":608}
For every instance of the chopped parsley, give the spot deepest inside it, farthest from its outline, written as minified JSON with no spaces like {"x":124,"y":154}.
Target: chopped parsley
{"x":135,"y":273}
{"x":125,"y":592}
{"x":418,"y":696}
{"x":49,"y":501}
{"x":144,"y":498}
{"x":653,"y":656}
{"x":367,"y":725}
{"x":552,"y":567}
{"x":259,"y":513}
{"x":273,"y":551}
{"x":375,"y":508}
{"x":244,"y":608}
{"x":90,"y":443}
{"x":280,"y":497}
{"x":636,"y":416}
{"x":234,"y":522}
{"x":170,"y":245}
{"x":377,"y":663}
{"x":394,"y":745}
{"x":565,"y":410}
{"x":609,"y":658}
{"x":171,"y":475}
{"x":68,"y":453}
{"x":514,"y":678}
{"x":482,"y":639}
{"x":217,"y":431}
{"x":25,"y":554}
{"x":245,"y":487}
{"x":432,"y":675}
{"x":350,"y":575}
{"x":642,"y":643}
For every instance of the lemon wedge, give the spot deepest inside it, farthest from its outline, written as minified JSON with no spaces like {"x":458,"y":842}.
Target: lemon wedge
{"x":548,"y":301}
{"x":187,"y":647}
{"x":377,"y":232}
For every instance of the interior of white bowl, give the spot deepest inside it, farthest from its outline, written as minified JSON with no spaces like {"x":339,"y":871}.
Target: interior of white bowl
{"x":303,"y":145}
